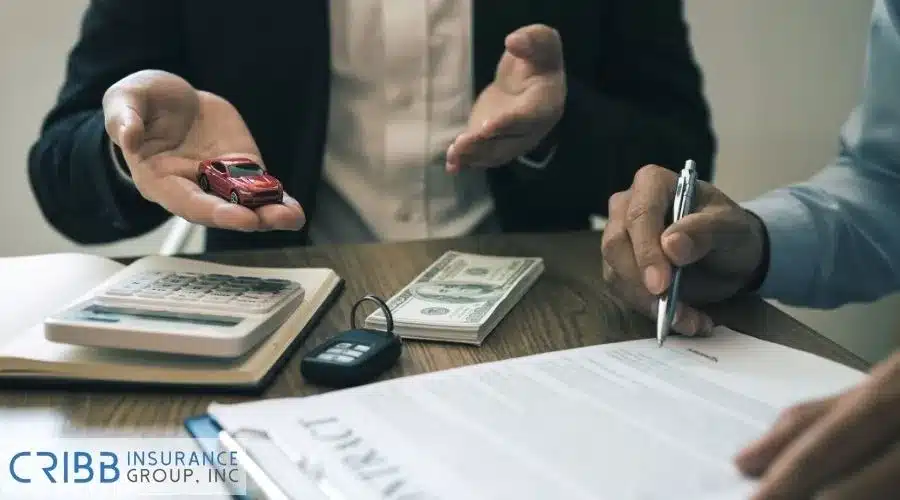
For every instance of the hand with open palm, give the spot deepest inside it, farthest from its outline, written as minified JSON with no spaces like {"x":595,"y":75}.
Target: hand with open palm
{"x":165,"y":128}
{"x":520,"y":107}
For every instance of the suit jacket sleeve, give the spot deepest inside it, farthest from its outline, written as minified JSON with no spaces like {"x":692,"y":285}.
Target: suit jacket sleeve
{"x":72,"y":174}
{"x":644,"y":106}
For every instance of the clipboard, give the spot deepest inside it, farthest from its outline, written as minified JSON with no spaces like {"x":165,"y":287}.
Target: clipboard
{"x":270,"y":473}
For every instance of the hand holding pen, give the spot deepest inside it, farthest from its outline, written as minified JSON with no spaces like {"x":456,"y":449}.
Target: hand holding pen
{"x":718,"y":246}
{"x":682,"y":206}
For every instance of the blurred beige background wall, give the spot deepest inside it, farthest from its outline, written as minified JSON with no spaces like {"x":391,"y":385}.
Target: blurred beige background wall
{"x":35,"y":36}
{"x":781,"y":76}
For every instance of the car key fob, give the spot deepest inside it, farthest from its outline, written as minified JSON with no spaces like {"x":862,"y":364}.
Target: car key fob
{"x":356,"y":356}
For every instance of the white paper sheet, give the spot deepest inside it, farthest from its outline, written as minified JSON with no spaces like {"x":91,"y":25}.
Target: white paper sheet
{"x":35,"y":286}
{"x":616,"y":421}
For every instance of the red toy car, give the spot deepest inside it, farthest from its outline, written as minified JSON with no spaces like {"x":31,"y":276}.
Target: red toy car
{"x":240,"y":180}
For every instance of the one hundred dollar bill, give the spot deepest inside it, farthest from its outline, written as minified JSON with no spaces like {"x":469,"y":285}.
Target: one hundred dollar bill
{"x":460,"y":291}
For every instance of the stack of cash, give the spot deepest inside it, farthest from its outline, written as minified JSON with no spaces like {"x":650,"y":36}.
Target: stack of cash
{"x":460,"y":298}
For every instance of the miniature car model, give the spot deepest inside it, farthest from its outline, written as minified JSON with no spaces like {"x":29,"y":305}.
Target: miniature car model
{"x":239,"y":180}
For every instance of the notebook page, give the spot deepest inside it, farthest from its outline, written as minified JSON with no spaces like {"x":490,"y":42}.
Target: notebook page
{"x":35,"y":286}
{"x":32,"y":344}
{"x":616,"y":421}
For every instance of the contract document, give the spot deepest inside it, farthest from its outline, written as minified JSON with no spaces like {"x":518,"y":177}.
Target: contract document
{"x":620,"y":421}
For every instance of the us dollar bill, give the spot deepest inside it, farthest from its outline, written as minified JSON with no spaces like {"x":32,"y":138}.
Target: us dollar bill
{"x":460,"y":290}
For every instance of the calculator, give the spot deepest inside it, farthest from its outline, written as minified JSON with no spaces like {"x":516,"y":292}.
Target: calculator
{"x":178,"y":312}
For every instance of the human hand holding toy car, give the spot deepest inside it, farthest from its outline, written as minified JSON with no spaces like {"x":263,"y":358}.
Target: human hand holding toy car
{"x":240,"y":180}
{"x":166,"y":130}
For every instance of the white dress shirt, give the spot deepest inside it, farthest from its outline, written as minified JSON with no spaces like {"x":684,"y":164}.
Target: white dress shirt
{"x":401,"y":92}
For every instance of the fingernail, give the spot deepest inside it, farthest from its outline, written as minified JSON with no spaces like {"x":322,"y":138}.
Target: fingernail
{"x":653,"y":280}
{"x":527,"y":43}
{"x":680,"y":245}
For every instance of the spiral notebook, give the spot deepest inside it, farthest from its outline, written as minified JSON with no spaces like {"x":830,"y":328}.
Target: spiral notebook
{"x":627,"y":421}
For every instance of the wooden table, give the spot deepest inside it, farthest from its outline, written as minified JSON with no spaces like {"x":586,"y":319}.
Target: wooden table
{"x":568,"y":307}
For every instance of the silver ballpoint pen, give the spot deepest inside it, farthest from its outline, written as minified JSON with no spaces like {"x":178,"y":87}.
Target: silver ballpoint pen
{"x":682,"y":206}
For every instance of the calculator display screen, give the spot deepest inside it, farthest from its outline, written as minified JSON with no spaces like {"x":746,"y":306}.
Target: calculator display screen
{"x":109,"y":314}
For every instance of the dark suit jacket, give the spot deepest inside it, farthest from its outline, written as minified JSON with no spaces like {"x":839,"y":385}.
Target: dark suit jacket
{"x":635,"y":96}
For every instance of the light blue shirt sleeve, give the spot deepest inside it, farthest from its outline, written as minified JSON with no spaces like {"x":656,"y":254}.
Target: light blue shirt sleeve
{"x":835,"y":239}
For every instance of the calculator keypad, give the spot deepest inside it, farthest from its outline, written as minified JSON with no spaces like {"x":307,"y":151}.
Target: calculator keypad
{"x":208,"y":291}
{"x":344,"y":352}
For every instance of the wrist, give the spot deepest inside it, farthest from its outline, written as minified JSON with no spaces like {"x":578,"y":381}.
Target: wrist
{"x":118,"y":160}
{"x":542,"y":154}
{"x":758,"y":276}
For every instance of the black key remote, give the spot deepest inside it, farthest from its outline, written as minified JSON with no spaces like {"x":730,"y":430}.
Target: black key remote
{"x":356,"y":356}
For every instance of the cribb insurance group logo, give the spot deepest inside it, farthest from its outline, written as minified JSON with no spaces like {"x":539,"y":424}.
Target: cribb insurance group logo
{"x":120,"y":468}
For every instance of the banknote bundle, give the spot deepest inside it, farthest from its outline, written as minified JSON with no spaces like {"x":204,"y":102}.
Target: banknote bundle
{"x":461,"y":297}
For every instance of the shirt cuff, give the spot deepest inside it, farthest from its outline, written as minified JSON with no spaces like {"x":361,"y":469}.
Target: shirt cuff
{"x":792,"y":246}
{"x":117,"y":161}
{"x":538,"y":163}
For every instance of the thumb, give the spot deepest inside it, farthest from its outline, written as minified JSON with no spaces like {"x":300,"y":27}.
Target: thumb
{"x":695,"y":236}
{"x":538,"y":44}
{"x":124,"y":112}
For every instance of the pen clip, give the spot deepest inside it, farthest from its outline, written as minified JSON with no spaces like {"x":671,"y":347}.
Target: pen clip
{"x":684,"y":192}
{"x":678,"y":203}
